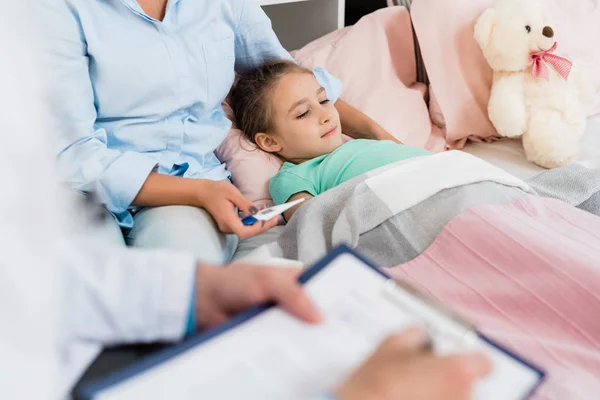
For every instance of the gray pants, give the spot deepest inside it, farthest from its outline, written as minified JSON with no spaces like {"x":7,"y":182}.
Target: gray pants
{"x":181,"y":228}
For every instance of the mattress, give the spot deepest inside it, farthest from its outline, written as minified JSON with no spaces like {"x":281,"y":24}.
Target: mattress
{"x":510,"y":156}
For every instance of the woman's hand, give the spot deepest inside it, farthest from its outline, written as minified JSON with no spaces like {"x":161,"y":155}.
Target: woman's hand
{"x":222,"y":292}
{"x":403,"y":368}
{"x":221,"y":199}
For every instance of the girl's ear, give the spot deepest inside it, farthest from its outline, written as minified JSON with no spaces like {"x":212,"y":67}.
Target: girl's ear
{"x":267,"y":143}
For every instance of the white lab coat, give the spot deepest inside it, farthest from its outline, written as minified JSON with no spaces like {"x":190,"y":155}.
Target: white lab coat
{"x":63,"y":295}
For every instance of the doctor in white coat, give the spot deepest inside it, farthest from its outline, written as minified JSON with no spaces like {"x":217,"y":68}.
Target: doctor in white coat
{"x":66,"y":298}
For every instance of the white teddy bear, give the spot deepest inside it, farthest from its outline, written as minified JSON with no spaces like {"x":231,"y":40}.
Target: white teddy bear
{"x":535,"y":93}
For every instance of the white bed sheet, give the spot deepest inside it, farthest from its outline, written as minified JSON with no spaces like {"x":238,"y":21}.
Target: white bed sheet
{"x":506,"y":154}
{"x":510,"y":156}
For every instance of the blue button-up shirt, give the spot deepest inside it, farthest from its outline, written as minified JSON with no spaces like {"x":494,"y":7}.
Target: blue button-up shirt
{"x":132,"y":94}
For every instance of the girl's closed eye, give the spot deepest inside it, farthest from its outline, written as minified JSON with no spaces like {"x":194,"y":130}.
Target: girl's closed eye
{"x":304,"y":114}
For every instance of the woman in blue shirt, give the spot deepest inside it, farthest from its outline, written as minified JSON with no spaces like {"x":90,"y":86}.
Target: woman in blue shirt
{"x":137,"y":89}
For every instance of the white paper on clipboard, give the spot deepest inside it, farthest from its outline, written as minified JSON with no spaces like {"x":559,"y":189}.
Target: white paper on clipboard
{"x":274,"y":356}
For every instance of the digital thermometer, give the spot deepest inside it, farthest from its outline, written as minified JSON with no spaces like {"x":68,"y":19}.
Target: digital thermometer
{"x":268,"y":213}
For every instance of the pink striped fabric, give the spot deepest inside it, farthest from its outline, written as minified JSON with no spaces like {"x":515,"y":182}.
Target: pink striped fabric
{"x":560,"y":64}
{"x":528,"y":274}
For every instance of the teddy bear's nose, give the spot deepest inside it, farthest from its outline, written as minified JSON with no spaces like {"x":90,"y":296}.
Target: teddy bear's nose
{"x":548,"y":32}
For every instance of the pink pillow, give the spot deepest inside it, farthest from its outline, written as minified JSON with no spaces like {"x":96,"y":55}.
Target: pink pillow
{"x":375,"y":61}
{"x":460,"y":76}
{"x":251,"y":168}
{"x":578,"y":26}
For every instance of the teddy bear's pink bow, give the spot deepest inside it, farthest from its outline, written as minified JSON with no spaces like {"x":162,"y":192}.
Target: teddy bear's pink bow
{"x":560,"y":64}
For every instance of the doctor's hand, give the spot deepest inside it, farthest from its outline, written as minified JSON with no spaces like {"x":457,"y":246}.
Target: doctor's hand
{"x":403,"y":367}
{"x":222,"y":292}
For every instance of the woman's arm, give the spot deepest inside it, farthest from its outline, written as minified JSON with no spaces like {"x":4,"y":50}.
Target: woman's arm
{"x":221,"y":199}
{"x":82,"y":151}
{"x":255,"y":41}
{"x":358,"y":125}
{"x":165,"y":190}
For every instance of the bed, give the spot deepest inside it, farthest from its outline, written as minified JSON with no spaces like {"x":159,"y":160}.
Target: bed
{"x":506,"y":154}
{"x":509,"y":154}
{"x":543,"y":309}
{"x":522,"y":267}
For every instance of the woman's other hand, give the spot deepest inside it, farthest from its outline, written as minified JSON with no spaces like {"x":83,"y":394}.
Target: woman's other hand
{"x":404,"y":368}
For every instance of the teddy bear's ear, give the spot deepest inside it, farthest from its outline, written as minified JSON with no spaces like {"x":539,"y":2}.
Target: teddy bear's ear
{"x":484,"y":27}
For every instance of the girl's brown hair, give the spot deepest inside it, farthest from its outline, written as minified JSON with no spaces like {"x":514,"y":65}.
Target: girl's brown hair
{"x":250,"y":97}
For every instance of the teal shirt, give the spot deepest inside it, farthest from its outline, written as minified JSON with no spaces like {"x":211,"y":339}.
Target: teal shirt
{"x":350,"y":160}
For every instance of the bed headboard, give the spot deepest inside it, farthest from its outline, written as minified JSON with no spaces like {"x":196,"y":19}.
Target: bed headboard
{"x":421,"y":71}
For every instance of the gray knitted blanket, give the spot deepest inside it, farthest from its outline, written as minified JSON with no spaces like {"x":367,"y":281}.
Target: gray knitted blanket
{"x":391,"y":215}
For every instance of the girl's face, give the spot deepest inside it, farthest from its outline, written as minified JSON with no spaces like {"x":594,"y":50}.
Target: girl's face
{"x":305,"y":124}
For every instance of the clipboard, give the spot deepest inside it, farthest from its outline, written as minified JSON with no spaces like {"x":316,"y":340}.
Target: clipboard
{"x":95,"y":389}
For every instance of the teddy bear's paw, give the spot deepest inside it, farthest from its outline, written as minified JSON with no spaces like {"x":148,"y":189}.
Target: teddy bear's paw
{"x":549,"y":157}
{"x":509,"y":130}
{"x":508,"y":126}
{"x":509,"y":119}
{"x":584,"y":85}
{"x":513,"y":133}
{"x":554,"y":163}
{"x":550,"y":151}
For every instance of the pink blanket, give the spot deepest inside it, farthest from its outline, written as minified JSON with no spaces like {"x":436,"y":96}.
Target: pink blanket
{"x":530,"y":283}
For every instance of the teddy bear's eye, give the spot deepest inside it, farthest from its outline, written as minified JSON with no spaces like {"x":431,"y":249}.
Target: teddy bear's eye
{"x":528,"y":28}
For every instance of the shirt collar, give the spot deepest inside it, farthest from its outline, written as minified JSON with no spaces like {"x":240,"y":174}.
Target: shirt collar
{"x":135,"y":7}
